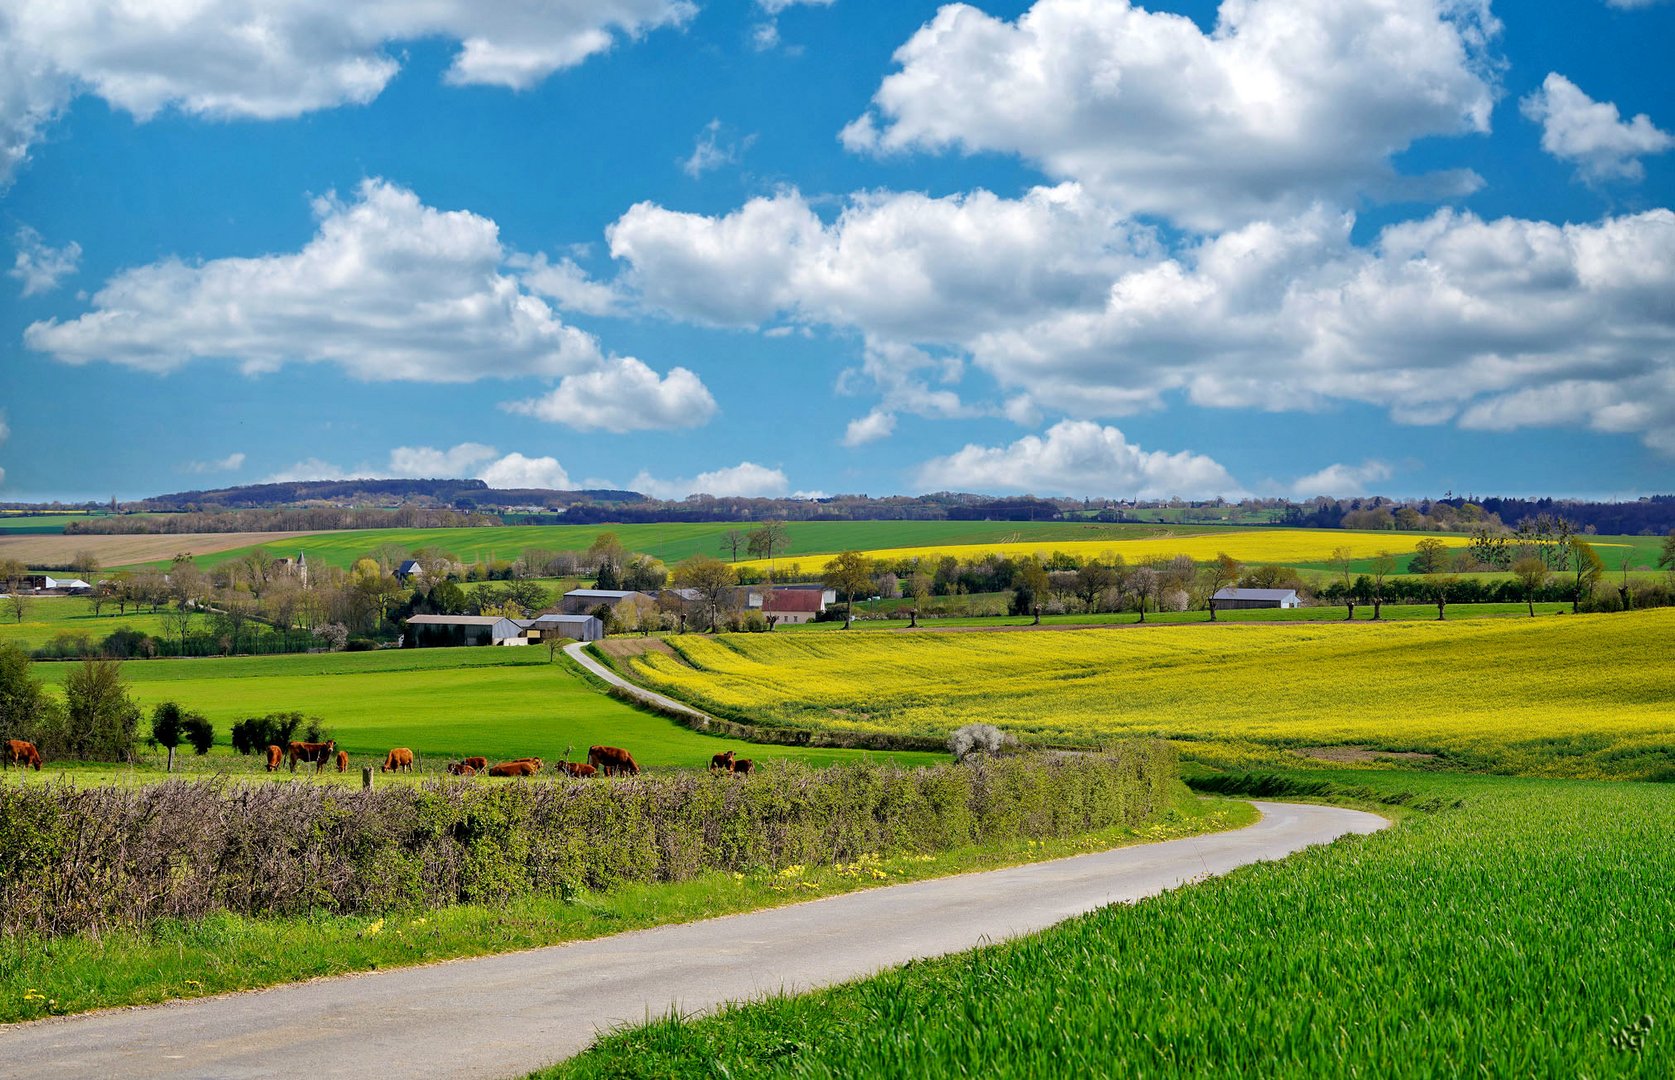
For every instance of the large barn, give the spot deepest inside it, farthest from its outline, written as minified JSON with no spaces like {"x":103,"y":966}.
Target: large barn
{"x":1233,"y":599}
{"x":579,"y":627}
{"x":440,"y":630}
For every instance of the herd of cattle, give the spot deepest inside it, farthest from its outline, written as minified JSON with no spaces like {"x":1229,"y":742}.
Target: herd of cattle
{"x":601,"y":761}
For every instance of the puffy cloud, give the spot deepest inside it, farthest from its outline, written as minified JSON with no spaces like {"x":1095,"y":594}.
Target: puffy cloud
{"x":624,"y":395}
{"x":744,"y":480}
{"x":1591,"y":134}
{"x":268,"y":59}
{"x":40,"y":267}
{"x":903,"y":266}
{"x":1078,"y":457}
{"x":387,"y":289}
{"x":1283,"y":103}
{"x":426,"y":462}
{"x":567,"y":284}
{"x":1341,"y":480}
{"x":516,"y":471}
{"x":231,"y":463}
{"x":875,"y":425}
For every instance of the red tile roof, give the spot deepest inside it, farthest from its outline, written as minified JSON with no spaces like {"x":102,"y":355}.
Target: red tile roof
{"x":794,"y":600}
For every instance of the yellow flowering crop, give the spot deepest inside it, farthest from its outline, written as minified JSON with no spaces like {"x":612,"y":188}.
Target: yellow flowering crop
{"x":1585,"y":695}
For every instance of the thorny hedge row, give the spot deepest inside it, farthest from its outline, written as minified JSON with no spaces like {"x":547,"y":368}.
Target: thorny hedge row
{"x":76,"y":859}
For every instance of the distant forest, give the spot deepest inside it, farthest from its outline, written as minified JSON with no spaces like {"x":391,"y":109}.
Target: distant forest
{"x":317,"y":505}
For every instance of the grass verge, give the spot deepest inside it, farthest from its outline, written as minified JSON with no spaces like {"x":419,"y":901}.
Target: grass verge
{"x":175,"y":959}
{"x":1523,"y":928}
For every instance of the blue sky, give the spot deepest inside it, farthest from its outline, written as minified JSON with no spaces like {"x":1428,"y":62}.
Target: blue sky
{"x":1280,"y":247}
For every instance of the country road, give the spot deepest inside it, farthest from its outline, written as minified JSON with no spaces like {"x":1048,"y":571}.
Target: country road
{"x":503,"y":1016}
{"x":577,"y":651}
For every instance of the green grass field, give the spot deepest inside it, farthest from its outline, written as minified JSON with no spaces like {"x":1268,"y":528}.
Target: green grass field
{"x":15,"y":524}
{"x":47,"y":617}
{"x":442,"y":703}
{"x":1524,"y":932}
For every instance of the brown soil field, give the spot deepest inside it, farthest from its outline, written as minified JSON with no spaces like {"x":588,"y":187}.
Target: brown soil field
{"x":50,"y":550}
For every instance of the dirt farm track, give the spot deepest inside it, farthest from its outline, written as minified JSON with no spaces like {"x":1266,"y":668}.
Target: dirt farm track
{"x":56,"y":550}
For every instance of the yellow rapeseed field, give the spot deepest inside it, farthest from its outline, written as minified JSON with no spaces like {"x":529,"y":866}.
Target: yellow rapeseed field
{"x":1578,"y":695}
{"x":1285,"y":546}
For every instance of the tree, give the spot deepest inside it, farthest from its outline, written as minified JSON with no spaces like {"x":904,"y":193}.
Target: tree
{"x":199,"y":732}
{"x":1384,"y":564}
{"x":919,"y":587}
{"x":644,"y":574}
{"x":849,"y":573}
{"x":17,"y":604}
{"x":1531,"y":573}
{"x":768,"y":540}
{"x":1341,"y":560}
{"x":13,"y":572}
{"x":711,"y":578}
{"x":166,"y":728}
{"x":1093,"y":580}
{"x":606,"y":551}
{"x":86,"y":565}
{"x":1441,"y":585}
{"x":101,"y":720}
{"x":1431,"y":557}
{"x":1589,"y":568}
{"x":178,"y":620}
{"x":1219,"y":574}
{"x":732,"y":540}
{"x":23,"y":701}
{"x":1667,"y":559}
{"x":1143,"y":579}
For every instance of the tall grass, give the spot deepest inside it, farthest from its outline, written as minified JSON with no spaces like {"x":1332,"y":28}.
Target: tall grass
{"x":1526,"y":931}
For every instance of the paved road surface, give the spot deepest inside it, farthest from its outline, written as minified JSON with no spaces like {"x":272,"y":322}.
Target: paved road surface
{"x":504,"y":1016}
{"x":577,"y":651}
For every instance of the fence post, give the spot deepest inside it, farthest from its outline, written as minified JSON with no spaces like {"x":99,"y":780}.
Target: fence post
{"x":366,"y":777}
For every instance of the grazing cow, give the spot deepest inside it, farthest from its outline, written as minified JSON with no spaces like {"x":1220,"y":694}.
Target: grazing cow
{"x":399,"y":759}
{"x":576,"y":768}
{"x":275,"y":756}
{"x":23,"y":753}
{"x":478,"y":763}
{"x":460,"y":768}
{"x":612,"y":761}
{"x":343,"y":761}
{"x":724,"y":762}
{"x":515,"y":768}
{"x":741,"y":767}
{"x":317,"y":752}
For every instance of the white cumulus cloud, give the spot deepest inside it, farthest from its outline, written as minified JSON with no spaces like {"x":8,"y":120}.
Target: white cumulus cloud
{"x":427,"y":462}
{"x":267,"y":59}
{"x":744,"y":480}
{"x":875,"y":425}
{"x":1078,"y":457}
{"x":308,"y":469}
{"x":567,"y":284}
{"x":39,"y":267}
{"x":231,"y":463}
{"x":1342,"y":481}
{"x":517,"y":471}
{"x":1284,"y":102}
{"x":1591,"y":134}
{"x":387,"y":289}
{"x":623,"y":395}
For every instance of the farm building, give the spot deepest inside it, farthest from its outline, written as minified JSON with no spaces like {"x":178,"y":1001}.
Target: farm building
{"x":1233,"y":599}
{"x":408,"y":569}
{"x":792,"y":606}
{"x":441,"y":630}
{"x":587,"y":601}
{"x":579,"y":627}
{"x":753,"y":594}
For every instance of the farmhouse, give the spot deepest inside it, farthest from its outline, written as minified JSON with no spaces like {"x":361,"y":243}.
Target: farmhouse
{"x":409,"y":568}
{"x":792,"y":606}
{"x":579,"y":627}
{"x":1232,"y":599}
{"x":754,"y":594}
{"x":442,"y":630}
{"x":587,"y":601}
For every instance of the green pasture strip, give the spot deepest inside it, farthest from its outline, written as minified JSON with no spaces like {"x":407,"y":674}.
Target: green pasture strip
{"x":1363,"y":612}
{"x":45,"y":617}
{"x":441,"y":703}
{"x":1525,"y":932}
{"x":178,"y":959}
{"x":672,"y":541}
{"x":15,"y":524}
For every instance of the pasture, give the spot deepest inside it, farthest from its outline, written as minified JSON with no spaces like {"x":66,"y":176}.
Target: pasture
{"x":1519,"y":928}
{"x":442,"y":703}
{"x":48,"y":616}
{"x":1572,"y":695}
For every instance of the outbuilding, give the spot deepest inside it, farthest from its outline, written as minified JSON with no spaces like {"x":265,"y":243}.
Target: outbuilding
{"x":578,"y":627}
{"x":442,"y":630}
{"x":1234,"y":599}
{"x":587,"y":601}
{"x":790,"y":607}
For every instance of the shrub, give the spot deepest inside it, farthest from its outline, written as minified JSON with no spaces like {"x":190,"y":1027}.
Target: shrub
{"x":976,"y":739}
{"x":88,"y":858}
{"x":360,"y":644}
{"x":254,"y":734}
{"x":199,"y":732}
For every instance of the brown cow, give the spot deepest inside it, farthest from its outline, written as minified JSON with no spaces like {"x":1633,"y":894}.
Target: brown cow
{"x":515,"y":768}
{"x":460,"y":768}
{"x":343,"y":761}
{"x":724,"y":762}
{"x":612,"y":761}
{"x":317,"y":752}
{"x":22,"y":752}
{"x":399,"y":759}
{"x":576,"y":768}
{"x":478,"y":763}
{"x":275,"y":756}
{"x":741,"y":767}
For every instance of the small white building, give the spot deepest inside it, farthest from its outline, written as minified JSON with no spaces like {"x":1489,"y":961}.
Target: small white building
{"x":578,"y":627}
{"x":444,"y":630}
{"x":67,"y":584}
{"x":1234,"y":599}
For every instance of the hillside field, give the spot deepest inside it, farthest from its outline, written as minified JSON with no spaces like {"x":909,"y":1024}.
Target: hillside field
{"x":1572,"y":695}
{"x":49,"y":616}
{"x":441,"y":703}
